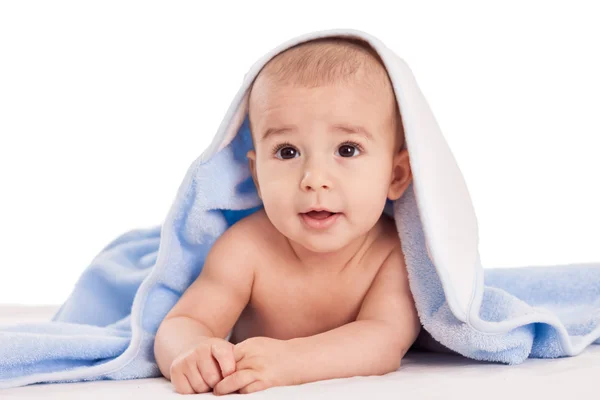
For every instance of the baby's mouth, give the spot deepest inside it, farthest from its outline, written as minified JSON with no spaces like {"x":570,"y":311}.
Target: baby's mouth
{"x":319,"y":214}
{"x":319,"y":219}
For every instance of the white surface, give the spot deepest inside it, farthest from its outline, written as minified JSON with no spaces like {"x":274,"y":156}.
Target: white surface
{"x":422,"y":376}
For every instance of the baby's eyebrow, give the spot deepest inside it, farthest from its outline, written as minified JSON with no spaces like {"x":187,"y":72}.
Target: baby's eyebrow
{"x":278,"y":131}
{"x":354,"y":129}
{"x":350,"y":129}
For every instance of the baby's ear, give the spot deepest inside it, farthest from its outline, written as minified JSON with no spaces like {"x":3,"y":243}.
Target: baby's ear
{"x":401,"y":175}
{"x":252,"y":164}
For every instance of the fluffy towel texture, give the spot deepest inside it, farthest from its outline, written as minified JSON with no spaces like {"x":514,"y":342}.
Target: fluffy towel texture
{"x":105,"y":329}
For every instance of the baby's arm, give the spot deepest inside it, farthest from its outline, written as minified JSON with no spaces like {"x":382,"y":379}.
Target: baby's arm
{"x":385,"y":328}
{"x":213,"y":303}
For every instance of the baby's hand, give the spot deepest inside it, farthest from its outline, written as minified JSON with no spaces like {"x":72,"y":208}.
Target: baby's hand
{"x":201,"y":368}
{"x":261,"y":363}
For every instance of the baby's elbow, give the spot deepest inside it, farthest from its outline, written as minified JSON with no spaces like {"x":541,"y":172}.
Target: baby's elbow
{"x":387,"y":365}
{"x":394,"y":351}
{"x":390,"y":361}
{"x":394,"y":362}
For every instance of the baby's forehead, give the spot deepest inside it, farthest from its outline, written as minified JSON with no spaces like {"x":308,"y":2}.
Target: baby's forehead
{"x":274,"y":102}
{"x":358,"y":93}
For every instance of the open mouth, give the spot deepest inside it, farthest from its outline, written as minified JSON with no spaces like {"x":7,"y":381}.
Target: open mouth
{"x":319,"y":214}
{"x":319,"y":219}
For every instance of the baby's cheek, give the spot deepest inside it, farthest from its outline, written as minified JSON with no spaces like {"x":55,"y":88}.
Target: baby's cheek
{"x":278,"y":202}
{"x":276,"y":191}
{"x":367,"y":204}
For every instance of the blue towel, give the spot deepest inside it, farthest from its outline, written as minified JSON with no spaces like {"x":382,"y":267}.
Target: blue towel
{"x":106,"y":327}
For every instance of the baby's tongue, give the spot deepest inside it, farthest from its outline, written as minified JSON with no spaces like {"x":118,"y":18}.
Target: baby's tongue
{"x":319,"y":214}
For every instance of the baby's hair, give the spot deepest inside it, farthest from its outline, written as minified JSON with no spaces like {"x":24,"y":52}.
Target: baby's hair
{"x":328,"y":61}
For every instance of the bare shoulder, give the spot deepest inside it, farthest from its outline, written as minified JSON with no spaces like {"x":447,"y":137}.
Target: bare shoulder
{"x":251,"y":224}
{"x":255,"y":231}
{"x":256,"y":220}
{"x":249,"y":240}
{"x":389,"y":293}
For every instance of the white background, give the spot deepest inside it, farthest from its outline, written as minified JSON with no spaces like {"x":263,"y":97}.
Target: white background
{"x":104,"y":105}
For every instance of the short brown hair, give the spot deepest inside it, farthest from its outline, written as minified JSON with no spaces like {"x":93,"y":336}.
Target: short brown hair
{"x":332,"y":60}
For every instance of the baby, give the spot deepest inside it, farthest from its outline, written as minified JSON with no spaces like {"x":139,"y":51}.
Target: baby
{"x":312,"y":286}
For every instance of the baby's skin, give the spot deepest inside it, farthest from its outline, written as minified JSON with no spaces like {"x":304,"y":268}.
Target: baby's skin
{"x":290,"y":295}
{"x":289,"y":300}
{"x":294,"y":324}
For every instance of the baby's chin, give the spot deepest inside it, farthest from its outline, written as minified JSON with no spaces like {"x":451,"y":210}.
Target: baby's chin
{"x":323,"y":242}
{"x":321,"y":246}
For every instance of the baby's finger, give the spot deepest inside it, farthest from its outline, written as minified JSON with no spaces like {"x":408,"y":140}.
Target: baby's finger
{"x":235,"y":381}
{"x":181,"y":384}
{"x":255,"y":386}
{"x":195,"y":378}
{"x":224,"y":357}
{"x":209,"y":369}
{"x":238,"y":352}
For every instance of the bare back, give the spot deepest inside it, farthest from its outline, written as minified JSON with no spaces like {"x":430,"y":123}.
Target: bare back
{"x":287,"y":301}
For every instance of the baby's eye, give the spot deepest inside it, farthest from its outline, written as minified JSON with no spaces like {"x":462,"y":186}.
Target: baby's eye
{"x":287,"y":152}
{"x":349,"y":149}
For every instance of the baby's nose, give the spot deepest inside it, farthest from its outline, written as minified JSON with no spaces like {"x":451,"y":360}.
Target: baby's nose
{"x":316,"y":187}
{"x":315,"y":180}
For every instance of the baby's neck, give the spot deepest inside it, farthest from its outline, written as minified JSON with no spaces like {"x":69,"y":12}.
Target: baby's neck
{"x":333,"y":262}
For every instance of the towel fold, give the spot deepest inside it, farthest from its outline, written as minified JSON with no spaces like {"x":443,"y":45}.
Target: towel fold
{"x":106,"y":328}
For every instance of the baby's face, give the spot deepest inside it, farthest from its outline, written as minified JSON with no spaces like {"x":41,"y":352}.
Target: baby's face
{"x":328,"y":147}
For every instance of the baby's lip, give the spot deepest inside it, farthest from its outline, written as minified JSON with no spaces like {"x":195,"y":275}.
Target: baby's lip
{"x":319,"y":209}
